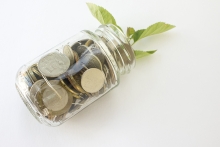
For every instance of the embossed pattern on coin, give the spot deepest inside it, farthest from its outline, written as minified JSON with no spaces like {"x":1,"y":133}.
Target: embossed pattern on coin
{"x":92,"y":80}
{"x":69,"y":53}
{"x":53,"y":64}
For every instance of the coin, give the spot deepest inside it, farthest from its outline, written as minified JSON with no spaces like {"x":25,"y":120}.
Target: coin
{"x":35,"y":88}
{"x":75,"y":45}
{"x":35,"y":70}
{"x":69,"y":53}
{"x":81,"y":49}
{"x":29,"y":76}
{"x":88,"y":43}
{"x":75,"y":82}
{"x":92,"y":80}
{"x":83,"y":41}
{"x":52,"y":101}
{"x":53,"y":64}
{"x":69,"y":88}
{"x":91,"y":61}
{"x":93,"y":49}
{"x":32,"y":76}
{"x":97,"y":52}
{"x":76,"y":56}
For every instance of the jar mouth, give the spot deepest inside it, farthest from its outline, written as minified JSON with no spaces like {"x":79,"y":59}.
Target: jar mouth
{"x":119,"y":46}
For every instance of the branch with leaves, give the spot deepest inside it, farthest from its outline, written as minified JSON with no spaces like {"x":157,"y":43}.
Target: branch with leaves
{"x":104,"y":17}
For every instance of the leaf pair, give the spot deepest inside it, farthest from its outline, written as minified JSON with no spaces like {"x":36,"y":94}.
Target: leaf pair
{"x":104,"y":17}
{"x":156,"y":28}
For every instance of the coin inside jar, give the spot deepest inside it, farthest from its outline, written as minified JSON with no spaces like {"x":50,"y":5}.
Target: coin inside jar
{"x":53,"y":64}
{"x":49,"y":100}
{"x":69,"y":53}
{"x":52,"y":101}
{"x":35,"y":88}
{"x":81,"y":49}
{"x":91,"y":61}
{"x":92,"y":80}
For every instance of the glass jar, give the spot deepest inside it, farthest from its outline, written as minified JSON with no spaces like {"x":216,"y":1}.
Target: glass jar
{"x":61,"y":82}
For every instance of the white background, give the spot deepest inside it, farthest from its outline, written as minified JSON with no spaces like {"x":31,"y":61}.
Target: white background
{"x":170,"y":99}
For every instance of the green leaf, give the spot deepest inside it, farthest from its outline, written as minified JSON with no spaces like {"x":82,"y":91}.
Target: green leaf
{"x":137,"y":35}
{"x":101,"y":14}
{"x":140,"y":54}
{"x":130,"y":31}
{"x":156,"y":28}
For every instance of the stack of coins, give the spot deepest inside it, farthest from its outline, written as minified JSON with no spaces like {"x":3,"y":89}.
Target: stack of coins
{"x":62,"y":81}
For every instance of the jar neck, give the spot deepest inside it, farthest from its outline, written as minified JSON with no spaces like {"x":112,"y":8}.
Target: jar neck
{"x":118,"y":46}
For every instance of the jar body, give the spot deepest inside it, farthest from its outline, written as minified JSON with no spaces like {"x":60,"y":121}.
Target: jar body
{"x":61,"y":82}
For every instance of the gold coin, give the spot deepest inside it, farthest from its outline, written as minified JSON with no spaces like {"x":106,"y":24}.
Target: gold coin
{"x":71,"y":90}
{"x":36,"y":71}
{"x":32,"y":76}
{"x":88,"y":43}
{"x":92,"y":80}
{"x":47,"y":98}
{"x":75,"y":82}
{"x":76,"y":56}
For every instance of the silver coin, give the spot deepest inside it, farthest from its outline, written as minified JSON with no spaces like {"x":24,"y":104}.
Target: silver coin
{"x":35,"y":88}
{"x":69,"y":53}
{"x":56,"y":104}
{"x":53,"y":64}
{"x":97,"y":52}
{"x":93,"y":49}
{"x":75,"y":45}
{"x":81,"y":49}
{"x":91,"y":61}
{"x":92,"y":80}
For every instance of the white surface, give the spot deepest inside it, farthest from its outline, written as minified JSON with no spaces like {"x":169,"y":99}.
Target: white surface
{"x":170,"y":99}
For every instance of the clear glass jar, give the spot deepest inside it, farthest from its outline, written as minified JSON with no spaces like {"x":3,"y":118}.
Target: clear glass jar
{"x":61,"y":82}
